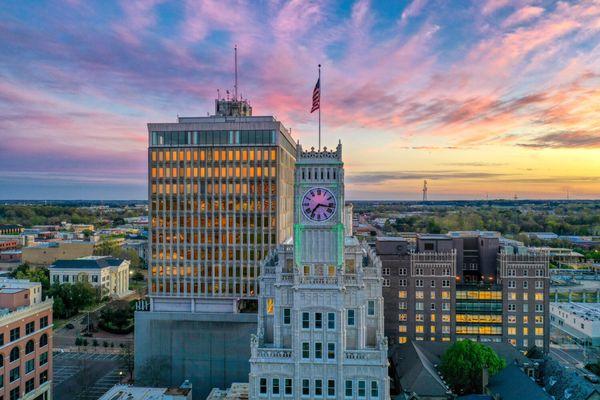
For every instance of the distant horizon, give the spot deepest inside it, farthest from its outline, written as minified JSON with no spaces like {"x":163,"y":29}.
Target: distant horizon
{"x":488,"y":96}
{"x":347,"y":200}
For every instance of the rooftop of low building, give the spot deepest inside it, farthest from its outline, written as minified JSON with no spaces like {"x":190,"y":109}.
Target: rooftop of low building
{"x":90,"y":262}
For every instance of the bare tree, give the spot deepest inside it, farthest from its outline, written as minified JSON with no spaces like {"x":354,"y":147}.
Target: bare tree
{"x":152,"y":372}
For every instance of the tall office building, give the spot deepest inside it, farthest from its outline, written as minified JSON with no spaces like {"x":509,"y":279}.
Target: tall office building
{"x":465,"y":285}
{"x":320,"y":325}
{"x":221,"y":194}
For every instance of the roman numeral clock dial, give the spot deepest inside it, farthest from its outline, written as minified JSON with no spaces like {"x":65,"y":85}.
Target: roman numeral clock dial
{"x":319,"y":204}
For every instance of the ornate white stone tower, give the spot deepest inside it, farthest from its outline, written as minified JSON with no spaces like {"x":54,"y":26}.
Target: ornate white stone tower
{"x":320,"y":328}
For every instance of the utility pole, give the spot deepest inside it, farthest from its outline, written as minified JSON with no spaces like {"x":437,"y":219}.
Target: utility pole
{"x":235,"y":86}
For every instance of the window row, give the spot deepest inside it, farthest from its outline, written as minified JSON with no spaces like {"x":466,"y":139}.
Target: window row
{"x":524,"y":272}
{"x":213,"y":172}
{"x":311,"y":319}
{"x":433,"y":272}
{"x":15,"y":352}
{"x":514,"y":296}
{"x":538,"y":342}
{"x":512,"y":319}
{"x":175,"y":138}
{"x":538,"y":284}
{"x":512,"y":331}
{"x":15,"y":373}
{"x":214,"y":155}
{"x":15,"y":333}
{"x":318,"y":351}
{"x":316,"y":319}
{"x":513,"y":307}
{"x":317,"y":388}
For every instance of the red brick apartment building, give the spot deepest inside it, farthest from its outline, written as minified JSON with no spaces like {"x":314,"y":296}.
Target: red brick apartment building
{"x":25,"y":342}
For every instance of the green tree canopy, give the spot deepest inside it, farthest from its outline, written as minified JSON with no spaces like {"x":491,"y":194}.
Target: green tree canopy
{"x":463,"y":363}
{"x":41,"y":274}
{"x":69,"y":299}
{"x":118,"y":314}
{"x":111,"y":248}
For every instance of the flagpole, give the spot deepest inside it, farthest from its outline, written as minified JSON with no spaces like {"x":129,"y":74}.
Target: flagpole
{"x":320,"y":104}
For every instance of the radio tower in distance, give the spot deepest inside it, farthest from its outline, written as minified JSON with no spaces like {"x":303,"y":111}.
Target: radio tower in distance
{"x":424,"y":190}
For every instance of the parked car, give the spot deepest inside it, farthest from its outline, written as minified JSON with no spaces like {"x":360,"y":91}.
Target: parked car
{"x":69,"y":326}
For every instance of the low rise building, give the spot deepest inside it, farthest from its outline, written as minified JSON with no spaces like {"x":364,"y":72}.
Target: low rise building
{"x":415,"y":374}
{"x":45,"y":253}
{"x":9,"y":244}
{"x":139,"y":246}
{"x":11,"y":229}
{"x":34,"y":289}
{"x":25,"y":342}
{"x":581,"y":321}
{"x":127,"y":392}
{"x":109,"y":274}
{"x":11,"y":256}
{"x":541,"y":235}
{"x":237,"y":391}
{"x":80,"y":228}
{"x":561,"y":255}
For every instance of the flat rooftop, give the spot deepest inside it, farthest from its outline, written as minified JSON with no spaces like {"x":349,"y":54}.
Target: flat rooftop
{"x":87,"y":263}
{"x":11,"y":290}
{"x":589,"y":311}
{"x":434,"y":236}
{"x":125,"y":392}
{"x":391,"y":239}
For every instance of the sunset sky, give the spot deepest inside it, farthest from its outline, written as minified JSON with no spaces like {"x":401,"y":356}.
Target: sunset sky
{"x":482,"y":98}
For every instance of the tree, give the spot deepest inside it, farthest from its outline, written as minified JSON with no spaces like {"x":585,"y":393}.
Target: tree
{"x":463,"y":363}
{"x":25,"y":271}
{"x":59,"y":308}
{"x":117,"y":314}
{"x":111,"y":248}
{"x":154,"y":372}
{"x":128,"y":359}
{"x":69,"y":299}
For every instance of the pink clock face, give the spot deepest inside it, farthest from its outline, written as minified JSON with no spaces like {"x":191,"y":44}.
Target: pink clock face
{"x":318,"y":204}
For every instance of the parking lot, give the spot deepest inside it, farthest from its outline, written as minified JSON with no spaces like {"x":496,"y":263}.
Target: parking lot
{"x":85,"y":376}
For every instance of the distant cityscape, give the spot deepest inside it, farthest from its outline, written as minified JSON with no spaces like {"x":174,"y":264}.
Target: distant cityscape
{"x":247,"y":274}
{"x":258,"y":267}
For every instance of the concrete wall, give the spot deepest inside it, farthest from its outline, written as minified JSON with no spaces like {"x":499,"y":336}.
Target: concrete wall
{"x":210,"y":349}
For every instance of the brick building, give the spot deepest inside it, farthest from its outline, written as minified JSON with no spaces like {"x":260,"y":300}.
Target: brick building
{"x":25,"y":342}
{"x":465,"y":285}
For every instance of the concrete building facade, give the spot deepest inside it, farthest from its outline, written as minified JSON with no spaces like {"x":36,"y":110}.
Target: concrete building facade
{"x":581,"y":321}
{"x":320,"y":325}
{"x":110,"y":275}
{"x":220,"y":191}
{"x":33,"y":290}
{"x":220,"y":195}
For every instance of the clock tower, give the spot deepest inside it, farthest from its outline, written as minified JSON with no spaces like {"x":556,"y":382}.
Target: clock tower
{"x":320,"y":306}
{"x":319,"y":210}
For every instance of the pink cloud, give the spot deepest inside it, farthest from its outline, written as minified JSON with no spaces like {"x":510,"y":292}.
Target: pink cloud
{"x":523,"y":15}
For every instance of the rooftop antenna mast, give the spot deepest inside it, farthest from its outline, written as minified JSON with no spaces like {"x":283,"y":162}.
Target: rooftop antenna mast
{"x":235,"y":87}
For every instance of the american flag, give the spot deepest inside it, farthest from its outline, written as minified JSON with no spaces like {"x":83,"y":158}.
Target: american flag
{"x":316,"y":97}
